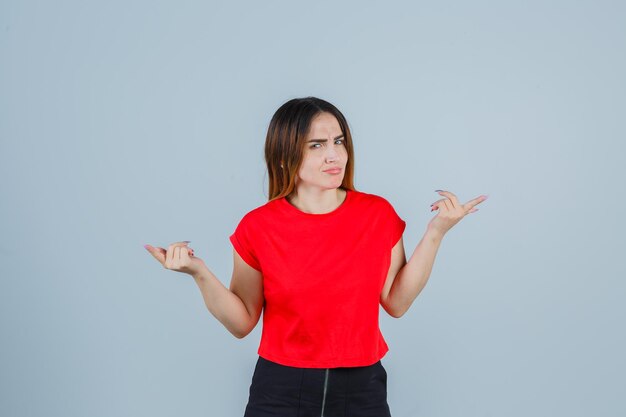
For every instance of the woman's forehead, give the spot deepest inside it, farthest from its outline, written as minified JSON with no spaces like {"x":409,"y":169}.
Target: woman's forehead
{"x":324,"y":125}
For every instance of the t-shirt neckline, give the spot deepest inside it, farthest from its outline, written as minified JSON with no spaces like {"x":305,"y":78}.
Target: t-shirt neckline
{"x":339,"y":208}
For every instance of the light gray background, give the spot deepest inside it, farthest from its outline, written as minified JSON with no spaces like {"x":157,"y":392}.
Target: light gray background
{"x":125,"y":123}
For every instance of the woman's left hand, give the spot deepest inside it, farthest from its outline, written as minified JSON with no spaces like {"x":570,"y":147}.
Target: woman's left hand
{"x":451,"y":211}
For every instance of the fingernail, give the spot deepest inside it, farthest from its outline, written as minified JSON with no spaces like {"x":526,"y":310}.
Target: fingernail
{"x":145,"y":247}
{"x":438,"y":191}
{"x":486,"y":196}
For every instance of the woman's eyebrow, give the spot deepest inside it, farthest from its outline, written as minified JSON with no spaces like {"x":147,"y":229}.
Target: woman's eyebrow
{"x":324,"y":140}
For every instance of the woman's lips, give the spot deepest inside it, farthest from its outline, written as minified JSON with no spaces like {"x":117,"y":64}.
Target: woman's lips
{"x":334,"y":171}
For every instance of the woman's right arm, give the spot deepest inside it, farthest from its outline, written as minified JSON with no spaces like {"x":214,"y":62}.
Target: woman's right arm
{"x":239,"y":307}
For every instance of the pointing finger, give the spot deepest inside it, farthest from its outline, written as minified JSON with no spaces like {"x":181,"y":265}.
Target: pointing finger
{"x":470,"y":204}
{"x":157,"y":253}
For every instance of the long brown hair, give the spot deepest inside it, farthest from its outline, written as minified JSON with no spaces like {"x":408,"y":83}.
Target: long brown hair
{"x":286,"y":140}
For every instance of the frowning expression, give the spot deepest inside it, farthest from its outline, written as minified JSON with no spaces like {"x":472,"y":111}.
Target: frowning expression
{"x":325,"y":155}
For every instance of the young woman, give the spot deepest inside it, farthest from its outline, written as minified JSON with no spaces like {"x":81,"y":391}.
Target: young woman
{"x":318,"y":259}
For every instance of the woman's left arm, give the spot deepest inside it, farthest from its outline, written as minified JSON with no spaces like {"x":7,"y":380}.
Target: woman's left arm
{"x":405,"y":280}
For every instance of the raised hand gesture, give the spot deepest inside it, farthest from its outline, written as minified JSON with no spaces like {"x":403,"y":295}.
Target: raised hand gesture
{"x":178,"y":257}
{"x":451,"y":211}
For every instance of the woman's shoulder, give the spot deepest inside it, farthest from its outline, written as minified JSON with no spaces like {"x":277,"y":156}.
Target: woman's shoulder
{"x":370,"y":198}
{"x":263,"y":211}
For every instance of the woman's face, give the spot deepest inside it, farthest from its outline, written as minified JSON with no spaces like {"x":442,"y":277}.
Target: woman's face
{"x":325,"y":155}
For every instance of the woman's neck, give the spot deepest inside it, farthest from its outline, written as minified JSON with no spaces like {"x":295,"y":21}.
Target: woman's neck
{"x":317,"y":202}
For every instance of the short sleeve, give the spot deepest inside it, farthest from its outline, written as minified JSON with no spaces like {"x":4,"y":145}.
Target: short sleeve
{"x":243,"y":242}
{"x":396,"y":226}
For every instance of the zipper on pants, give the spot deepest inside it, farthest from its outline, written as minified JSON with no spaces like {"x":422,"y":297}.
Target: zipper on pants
{"x":325,"y":387}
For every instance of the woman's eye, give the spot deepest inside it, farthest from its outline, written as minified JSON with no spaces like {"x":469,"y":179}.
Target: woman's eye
{"x":318,"y":145}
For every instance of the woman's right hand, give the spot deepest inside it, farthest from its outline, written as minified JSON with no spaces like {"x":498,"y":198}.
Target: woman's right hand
{"x":178,"y":257}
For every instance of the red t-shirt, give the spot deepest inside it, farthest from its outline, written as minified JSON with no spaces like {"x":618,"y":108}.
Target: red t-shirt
{"x":322,"y":278}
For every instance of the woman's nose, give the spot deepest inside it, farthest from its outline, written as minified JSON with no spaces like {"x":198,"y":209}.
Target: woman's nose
{"x":331,"y":154}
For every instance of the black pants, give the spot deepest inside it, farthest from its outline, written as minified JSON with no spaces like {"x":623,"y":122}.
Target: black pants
{"x":285,"y":391}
